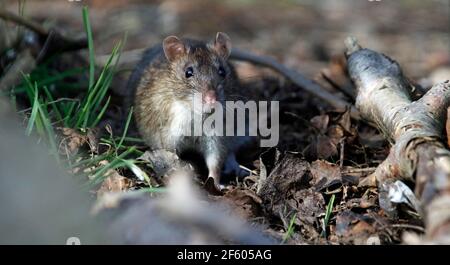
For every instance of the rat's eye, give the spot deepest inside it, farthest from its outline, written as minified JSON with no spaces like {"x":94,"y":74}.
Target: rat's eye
{"x":222,"y":72}
{"x":189,"y":72}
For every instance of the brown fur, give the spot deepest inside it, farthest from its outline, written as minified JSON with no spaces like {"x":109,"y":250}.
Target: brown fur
{"x":157,"y":83}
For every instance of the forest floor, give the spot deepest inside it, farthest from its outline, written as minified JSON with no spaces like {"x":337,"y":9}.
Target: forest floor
{"x":323,"y":153}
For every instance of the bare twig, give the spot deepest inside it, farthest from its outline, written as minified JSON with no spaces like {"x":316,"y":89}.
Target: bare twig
{"x":51,"y":102}
{"x":359,"y":170}
{"x":341,"y":155}
{"x":31,"y":25}
{"x":59,"y":42}
{"x":408,"y":226}
{"x":347,"y":90}
{"x":253,"y":172}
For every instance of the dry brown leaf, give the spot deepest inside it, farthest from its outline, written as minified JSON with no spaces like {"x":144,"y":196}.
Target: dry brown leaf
{"x":244,"y":202}
{"x":325,"y":174}
{"x":71,"y":141}
{"x":309,"y":204}
{"x":320,"y":122}
{"x":324,"y":147}
{"x":114,"y":183}
{"x":163,"y":162}
{"x":350,"y":224}
{"x":345,"y":122}
{"x":325,"y":144}
{"x":290,"y":171}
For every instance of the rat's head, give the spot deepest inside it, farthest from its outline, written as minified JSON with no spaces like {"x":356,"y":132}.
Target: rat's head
{"x":200,"y":68}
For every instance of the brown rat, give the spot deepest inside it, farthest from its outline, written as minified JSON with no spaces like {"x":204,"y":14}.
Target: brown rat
{"x":164,"y":84}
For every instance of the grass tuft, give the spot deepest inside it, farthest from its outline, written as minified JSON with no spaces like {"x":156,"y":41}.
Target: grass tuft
{"x":328,"y":212}
{"x":43,"y":89}
{"x":290,"y":230}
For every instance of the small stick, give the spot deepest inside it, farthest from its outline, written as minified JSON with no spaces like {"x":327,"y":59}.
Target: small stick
{"x":359,"y":170}
{"x":248,"y":170}
{"x":341,"y":158}
{"x":60,"y":42}
{"x":36,"y":27}
{"x":408,"y":226}
{"x":348,"y":91}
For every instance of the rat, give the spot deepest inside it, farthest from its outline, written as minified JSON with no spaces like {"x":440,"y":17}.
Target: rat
{"x":163,"y":85}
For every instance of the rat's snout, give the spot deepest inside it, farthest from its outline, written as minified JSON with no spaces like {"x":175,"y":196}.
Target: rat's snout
{"x":209,"y":97}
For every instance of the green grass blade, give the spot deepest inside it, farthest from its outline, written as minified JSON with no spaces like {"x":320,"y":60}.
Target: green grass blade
{"x":153,"y":190}
{"x":29,"y":88}
{"x":49,"y":132}
{"x":35,"y":118}
{"x":46,"y":79}
{"x":115,"y":163}
{"x":60,"y":76}
{"x":52,"y":103}
{"x":100,"y":175}
{"x":290,"y":229}
{"x":328,"y":212}
{"x":88,"y":29}
{"x":102,"y":85}
{"x":91,"y":161}
{"x":134,"y":139}
{"x":68,"y":115}
{"x":100,"y":115}
{"x":34,"y":113}
{"x":137,"y":171}
{"x":87,"y":103}
{"x":127,"y":124}
{"x":117,"y":51}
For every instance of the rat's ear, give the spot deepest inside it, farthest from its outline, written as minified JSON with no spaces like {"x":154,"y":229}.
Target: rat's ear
{"x":222,"y":44}
{"x":173,"y":48}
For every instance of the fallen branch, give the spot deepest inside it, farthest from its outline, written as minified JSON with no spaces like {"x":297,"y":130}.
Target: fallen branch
{"x":414,"y":127}
{"x":59,"y":43}
{"x":31,"y":25}
{"x":295,"y":77}
{"x":24,"y":64}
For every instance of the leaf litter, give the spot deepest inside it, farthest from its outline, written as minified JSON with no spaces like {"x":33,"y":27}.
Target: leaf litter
{"x":315,"y":187}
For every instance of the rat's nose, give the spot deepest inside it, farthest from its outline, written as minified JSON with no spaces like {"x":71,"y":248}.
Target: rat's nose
{"x":209,"y":97}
